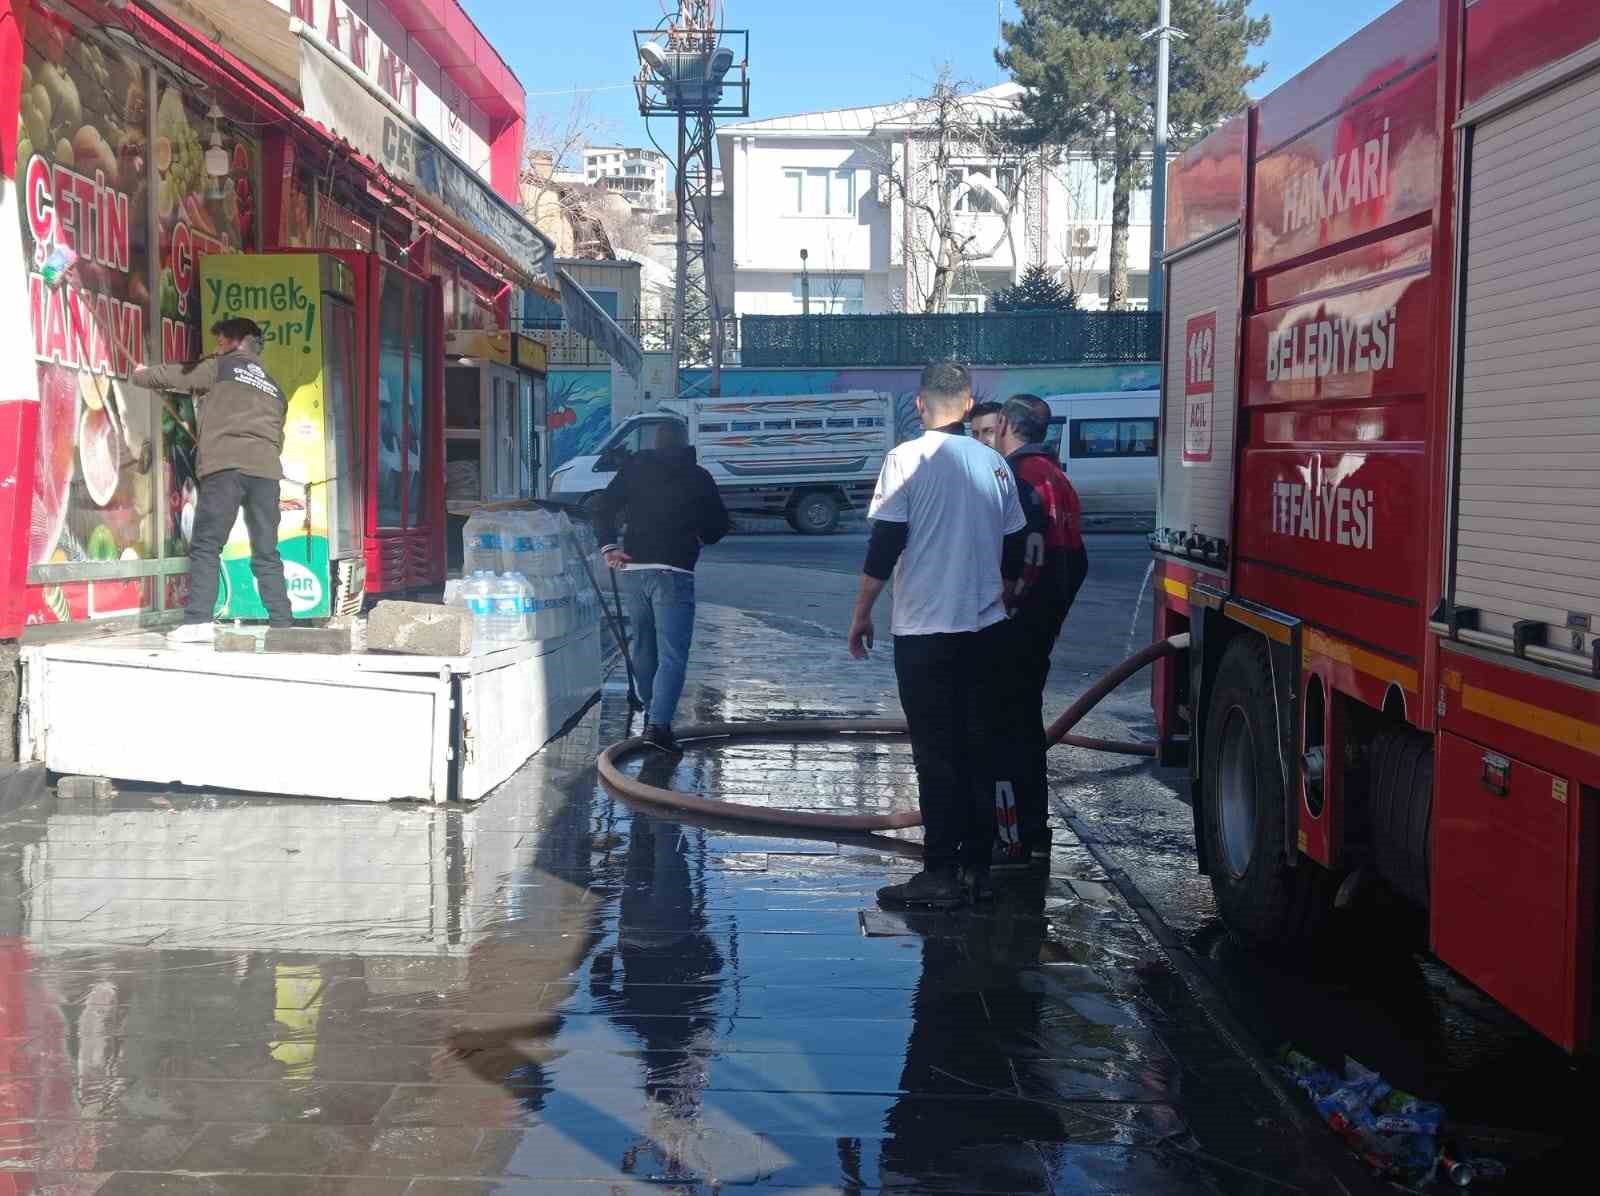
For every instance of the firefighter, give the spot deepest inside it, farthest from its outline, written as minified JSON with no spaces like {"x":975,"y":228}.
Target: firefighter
{"x":1054,"y":566}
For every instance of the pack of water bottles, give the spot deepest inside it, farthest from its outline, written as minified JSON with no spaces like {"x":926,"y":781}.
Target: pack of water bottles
{"x":524,"y":578}
{"x":525,"y":542}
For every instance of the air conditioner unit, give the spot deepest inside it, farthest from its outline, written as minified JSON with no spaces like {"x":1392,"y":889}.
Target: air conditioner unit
{"x":1081,"y":235}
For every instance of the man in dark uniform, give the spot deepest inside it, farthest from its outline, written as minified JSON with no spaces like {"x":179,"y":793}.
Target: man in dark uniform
{"x":241,"y":411}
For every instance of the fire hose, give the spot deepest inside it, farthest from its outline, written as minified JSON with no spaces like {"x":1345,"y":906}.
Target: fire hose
{"x":625,"y":786}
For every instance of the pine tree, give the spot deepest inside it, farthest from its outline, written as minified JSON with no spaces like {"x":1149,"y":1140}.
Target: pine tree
{"x":1089,"y":83}
{"x":1036,"y":290}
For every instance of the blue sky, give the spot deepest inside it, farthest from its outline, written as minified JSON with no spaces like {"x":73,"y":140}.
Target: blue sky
{"x":810,"y":54}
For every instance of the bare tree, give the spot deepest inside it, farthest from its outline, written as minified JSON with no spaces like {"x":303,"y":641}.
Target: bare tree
{"x":952,"y":163}
{"x":554,"y":142}
{"x":831,"y":279}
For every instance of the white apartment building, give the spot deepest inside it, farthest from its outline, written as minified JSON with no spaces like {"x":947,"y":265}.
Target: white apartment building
{"x":816,"y":181}
{"x":643,"y":176}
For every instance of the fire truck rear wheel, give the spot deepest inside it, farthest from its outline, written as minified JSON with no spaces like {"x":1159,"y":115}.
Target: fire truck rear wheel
{"x":1262,"y":899}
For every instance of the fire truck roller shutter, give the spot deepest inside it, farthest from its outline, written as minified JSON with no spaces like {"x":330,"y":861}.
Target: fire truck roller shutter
{"x":1528,"y":517}
{"x":1202,"y":327}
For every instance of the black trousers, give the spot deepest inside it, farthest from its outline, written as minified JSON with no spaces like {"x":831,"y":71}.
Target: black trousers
{"x":953,"y":689}
{"x":1037,"y":625}
{"x":222,"y":494}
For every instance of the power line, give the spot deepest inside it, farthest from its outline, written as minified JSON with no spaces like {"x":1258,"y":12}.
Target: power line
{"x":573,"y":91}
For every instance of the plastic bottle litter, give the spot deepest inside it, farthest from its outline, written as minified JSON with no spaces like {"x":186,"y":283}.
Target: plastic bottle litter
{"x":1393,"y":1131}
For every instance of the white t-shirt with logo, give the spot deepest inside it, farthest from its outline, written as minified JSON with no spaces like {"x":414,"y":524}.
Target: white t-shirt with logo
{"x":959,"y":500}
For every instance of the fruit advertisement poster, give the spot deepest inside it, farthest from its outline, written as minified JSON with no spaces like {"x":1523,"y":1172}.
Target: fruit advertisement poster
{"x":283,"y":294}
{"x":102,"y":300}
{"x":82,"y":183}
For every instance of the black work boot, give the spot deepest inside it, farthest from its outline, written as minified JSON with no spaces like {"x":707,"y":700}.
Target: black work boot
{"x":661,"y":739}
{"x":935,"y":888}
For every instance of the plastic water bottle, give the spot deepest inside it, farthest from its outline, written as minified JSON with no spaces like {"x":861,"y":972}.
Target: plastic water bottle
{"x":507,"y":597}
{"x":483,"y":542}
{"x":527,"y":606}
{"x":475,"y":596}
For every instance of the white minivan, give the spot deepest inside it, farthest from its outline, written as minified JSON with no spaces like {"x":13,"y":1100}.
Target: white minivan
{"x":1108,"y":445}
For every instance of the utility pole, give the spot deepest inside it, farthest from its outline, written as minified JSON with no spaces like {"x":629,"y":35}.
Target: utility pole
{"x":694,"y":72}
{"x":1163,"y":33}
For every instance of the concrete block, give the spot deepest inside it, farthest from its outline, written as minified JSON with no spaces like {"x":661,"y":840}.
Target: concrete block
{"x":236,"y":641}
{"x":322,"y":641}
{"x":98,"y":788}
{"x":419,"y":629}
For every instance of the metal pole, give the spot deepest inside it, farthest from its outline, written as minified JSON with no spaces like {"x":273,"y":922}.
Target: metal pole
{"x":1158,"y":183}
{"x":805,"y":286}
{"x":681,"y":282}
{"x":708,"y":255}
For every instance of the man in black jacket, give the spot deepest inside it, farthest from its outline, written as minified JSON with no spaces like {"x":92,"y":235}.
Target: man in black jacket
{"x":671,"y":508}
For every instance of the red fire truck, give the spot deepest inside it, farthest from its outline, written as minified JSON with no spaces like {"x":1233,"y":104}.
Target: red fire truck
{"x":1380,"y":494}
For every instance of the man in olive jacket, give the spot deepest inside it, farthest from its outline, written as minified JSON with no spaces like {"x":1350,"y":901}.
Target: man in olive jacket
{"x":241,"y":412}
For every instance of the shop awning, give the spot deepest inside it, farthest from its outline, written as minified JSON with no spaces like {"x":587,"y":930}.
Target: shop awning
{"x":351,"y":108}
{"x":587,"y":318}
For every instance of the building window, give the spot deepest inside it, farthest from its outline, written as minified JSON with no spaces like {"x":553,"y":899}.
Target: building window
{"x":813,"y":192}
{"x":1102,"y":438}
{"x":971,"y":289}
{"x":1138,"y":288}
{"x":833,"y":294}
{"x":978,"y":199}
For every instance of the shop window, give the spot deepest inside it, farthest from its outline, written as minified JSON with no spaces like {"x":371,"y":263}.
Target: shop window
{"x":405,"y":346}
{"x":1102,"y":438}
{"x":94,"y":496}
{"x":393,"y":362}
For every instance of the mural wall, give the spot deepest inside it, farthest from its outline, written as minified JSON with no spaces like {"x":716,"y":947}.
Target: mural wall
{"x":577,"y":413}
{"x":580,"y":400}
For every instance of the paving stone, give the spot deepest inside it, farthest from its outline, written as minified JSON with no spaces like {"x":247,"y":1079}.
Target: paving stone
{"x":319,"y":641}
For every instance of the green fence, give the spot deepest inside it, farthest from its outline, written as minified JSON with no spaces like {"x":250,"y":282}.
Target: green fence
{"x":1012,"y":338}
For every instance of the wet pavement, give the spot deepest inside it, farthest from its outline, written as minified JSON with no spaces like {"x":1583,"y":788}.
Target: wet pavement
{"x":554,"y":992}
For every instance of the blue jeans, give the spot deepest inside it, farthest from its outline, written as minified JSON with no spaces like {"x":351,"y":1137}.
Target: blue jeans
{"x":661,"y":608}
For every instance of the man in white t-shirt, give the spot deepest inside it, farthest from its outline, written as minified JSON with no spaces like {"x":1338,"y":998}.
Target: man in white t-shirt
{"x":946,"y":520}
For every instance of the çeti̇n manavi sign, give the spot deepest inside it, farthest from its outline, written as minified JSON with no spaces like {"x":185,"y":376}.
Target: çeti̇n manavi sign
{"x":336,"y":99}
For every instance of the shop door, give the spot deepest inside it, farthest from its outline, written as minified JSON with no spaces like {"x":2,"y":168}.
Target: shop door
{"x":405,"y":524}
{"x":340,"y":346}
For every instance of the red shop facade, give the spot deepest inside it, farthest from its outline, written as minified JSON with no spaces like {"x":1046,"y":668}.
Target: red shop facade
{"x":144,"y":147}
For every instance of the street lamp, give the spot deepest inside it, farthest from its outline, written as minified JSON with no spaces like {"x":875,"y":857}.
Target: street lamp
{"x":805,"y":285}
{"x":1163,"y":33}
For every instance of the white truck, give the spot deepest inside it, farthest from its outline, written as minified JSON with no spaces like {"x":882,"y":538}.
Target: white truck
{"x":808,"y":458}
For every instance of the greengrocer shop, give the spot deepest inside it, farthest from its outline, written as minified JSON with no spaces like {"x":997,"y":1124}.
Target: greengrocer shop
{"x":162,"y":179}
